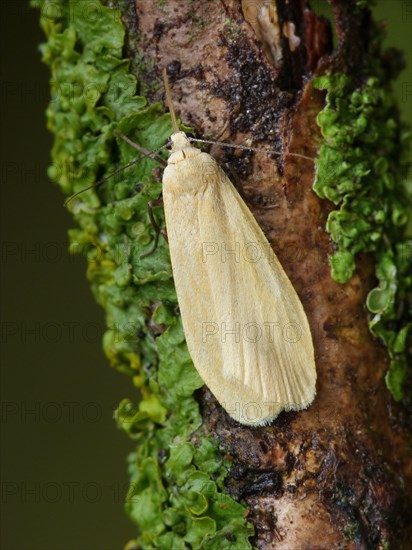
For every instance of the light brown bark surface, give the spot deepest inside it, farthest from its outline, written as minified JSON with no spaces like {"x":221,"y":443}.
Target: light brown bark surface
{"x":310,"y":476}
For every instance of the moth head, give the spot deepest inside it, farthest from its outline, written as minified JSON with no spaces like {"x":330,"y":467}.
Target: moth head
{"x":179,"y":141}
{"x":181,"y":148}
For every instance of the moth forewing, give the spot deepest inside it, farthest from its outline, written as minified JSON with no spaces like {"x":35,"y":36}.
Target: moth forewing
{"x":245,"y":326}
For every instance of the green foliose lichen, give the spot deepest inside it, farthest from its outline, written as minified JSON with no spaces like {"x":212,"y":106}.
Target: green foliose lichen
{"x":177,"y":496}
{"x":362,"y":168}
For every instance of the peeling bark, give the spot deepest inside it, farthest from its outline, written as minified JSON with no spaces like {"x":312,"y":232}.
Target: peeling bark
{"x":309,"y":476}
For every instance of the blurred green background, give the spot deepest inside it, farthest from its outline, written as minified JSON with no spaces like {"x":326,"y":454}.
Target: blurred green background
{"x":63,"y":470}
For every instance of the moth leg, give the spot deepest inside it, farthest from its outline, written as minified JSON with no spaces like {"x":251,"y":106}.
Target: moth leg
{"x":158,"y":230}
{"x":140,"y":149}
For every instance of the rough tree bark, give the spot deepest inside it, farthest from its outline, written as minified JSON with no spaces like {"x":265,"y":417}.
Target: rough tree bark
{"x":309,"y":477}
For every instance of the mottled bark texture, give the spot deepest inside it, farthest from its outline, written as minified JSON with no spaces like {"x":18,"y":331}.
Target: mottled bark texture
{"x":336,"y":475}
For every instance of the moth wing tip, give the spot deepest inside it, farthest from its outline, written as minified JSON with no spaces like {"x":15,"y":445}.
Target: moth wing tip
{"x":287,"y":407}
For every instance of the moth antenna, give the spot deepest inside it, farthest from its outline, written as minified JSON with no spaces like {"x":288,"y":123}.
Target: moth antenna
{"x":170,"y":102}
{"x":128,"y":165}
{"x":246,"y":148}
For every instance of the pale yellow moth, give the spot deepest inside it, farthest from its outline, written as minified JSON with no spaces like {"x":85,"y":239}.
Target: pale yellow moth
{"x":245,"y":327}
